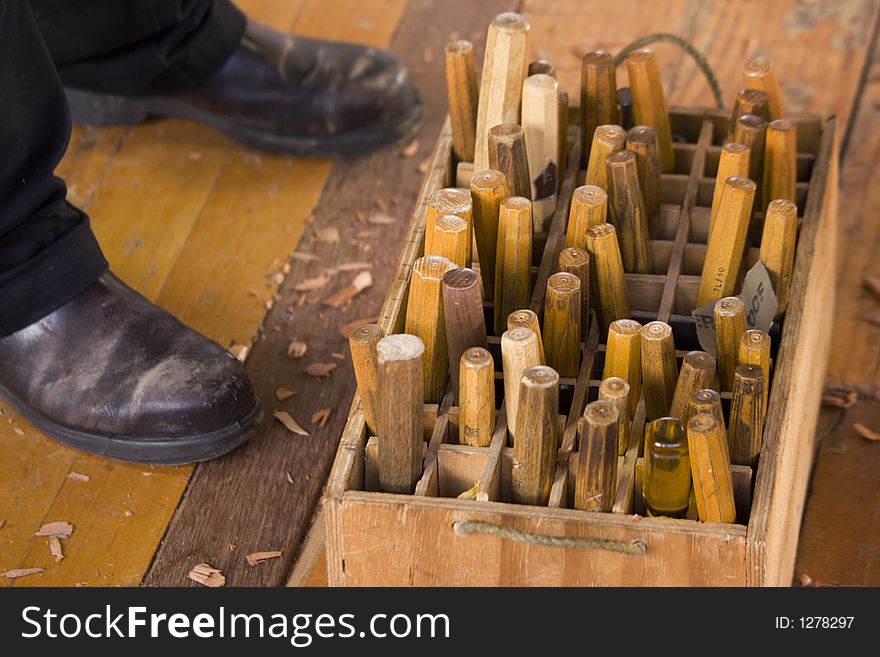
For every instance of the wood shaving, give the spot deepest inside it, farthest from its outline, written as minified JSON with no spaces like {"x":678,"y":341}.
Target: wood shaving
{"x":232,"y":547}
{"x":311,"y":284}
{"x":424,"y":165}
{"x":55,"y":548}
{"x":240,"y":351}
{"x":410,"y":149}
{"x":470,"y":493}
{"x":78,"y":476}
{"x":347,"y":329}
{"x":873,"y":283}
{"x":297,"y":349}
{"x":322,"y":417}
{"x":21,"y":572}
{"x":61,"y":529}
{"x":840,"y":398}
{"x":259,"y":557}
{"x":306,"y":257}
{"x":805,"y":579}
{"x":337,"y":355}
{"x":289,"y":423}
{"x":207,"y":576}
{"x":18,"y":430}
{"x":277,"y":278}
{"x":328,"y":234}
{"x":320,"y":370}
{"x":865,"y":432}
{"x":283,"y":393}
{"x":128,"y":514}
{"x":381,"y":219}
{"x":344,"y":296}
{"x":289,"y":478}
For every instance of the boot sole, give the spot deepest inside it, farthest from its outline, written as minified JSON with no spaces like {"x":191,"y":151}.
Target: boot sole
{"x":109,"y":109}
{"x":159,"y":450}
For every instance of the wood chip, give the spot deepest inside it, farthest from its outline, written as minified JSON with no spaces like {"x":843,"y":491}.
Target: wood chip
{"x":873,"y":283}
{"x":78,"y":476}
{"x":410,"y":149}
{"x":240,"y":351}
{"x":839,"y":398}
{"x":328,"y":234}
{"x":805,"y":579}
{"x":289,"y":423}
{"x":337,"y":355}
{"x":865,"y":432}
{"x":128,"y":514}
{"x":283,"y":393}
{"x":424,"y":165}
{"x":311,"y":284}
{"x":259,"y":557}
{"x":322,"y":417}
{"x":289,"y":478}
{"x":470,"y":493}
{"x":297,"y":349}
{"x":381,"y":219}
{"x":344,"y":296}
{"x":320,"y":370}
{"x":21,"y":572}
{"x":55,"y":548}
{"x":207,"y":576}
{"x":61,"y":529}
{"x":347,"y":329}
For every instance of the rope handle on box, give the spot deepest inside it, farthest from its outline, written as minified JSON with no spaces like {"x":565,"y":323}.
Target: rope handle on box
{"x":684,"y":45}
{"x":466,"y":527}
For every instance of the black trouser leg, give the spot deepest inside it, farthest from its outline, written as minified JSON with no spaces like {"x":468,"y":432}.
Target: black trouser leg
{"x":48,"y":253}
{"x":132,"y":46}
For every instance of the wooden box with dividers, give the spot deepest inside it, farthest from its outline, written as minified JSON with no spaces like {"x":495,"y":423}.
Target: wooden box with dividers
{"x":535,"y":406}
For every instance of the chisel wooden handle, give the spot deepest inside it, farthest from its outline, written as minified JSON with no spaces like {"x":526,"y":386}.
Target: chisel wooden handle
{"x":625,"y":108}
{"x":777,"y":248}
{"x":754,"y":349}
{"x":708,"y":401}
{"x":710,"y":469}
{"x":562,"y":324}
{"x":449,"y":200}
{"x":623,"y":358}
{"x":537,"y":436}
{"x":667,"y":483}
{"x":626,"y":211}
{"x":424,"y":318}
{"x":401,"y":420}
{"x":759,"y":74}
{"x":365,"y":360}
{"x":589,"y":207}
{"x":451,"y":240}
{"x":461,"y":89}
{"x":750,"y":131}
{"x":606,"y":269}
{"x":542,"y":67}
{"x":730,"y":324}
{"x":748,"y":101}
{"x":519,"y":352}
{"x":463,"y":313}
{"x":746,"y":430}
{"x":540,"y":124}
{"x":733,"y":161}
{"x":727,"y":241}
{"x":507,"y":153}
{"x":780,"y":162}
{"x":577,"y":262}
{"x":649,"y":103}
{"x":606,"y":140}
{"x":659,"y":369}
{"x":642,"y":140}
{"x":596,"y":482}
{"x":598,"y":96}
{"x":488,"y":189}
{"x":562,"y":125}
{"x":615,"y":390}
{"x":528,"y":319}
{"x":476,"y":417}
{"x":697,"y":372}
{"x":504,"y":69}
{"x":513,"y":255}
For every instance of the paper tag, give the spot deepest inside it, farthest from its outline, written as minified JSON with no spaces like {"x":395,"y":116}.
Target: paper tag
{"x":761,"y":306}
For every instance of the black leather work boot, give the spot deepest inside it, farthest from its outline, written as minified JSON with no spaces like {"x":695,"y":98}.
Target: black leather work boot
{"x":283,"y":93}
{"x":112,"y":374}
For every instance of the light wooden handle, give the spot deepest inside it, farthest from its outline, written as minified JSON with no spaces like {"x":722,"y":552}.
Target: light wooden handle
{"x":540,"y":124}
{"x":710,"y":469}
{"x":777,"y":248}
{"x":528,"y":319}
{"x":451,"y":240}
{"x":642,"y":140}
{"x":760,"y":74}
{"x":424,"y":318}
{"x":750,"y":131}
{"x":596,"y":483}
{"x":589,"y":207}
{"x":577,"y":262}
{"x":463,"y":313}
{"x":507,"y":153}
{"x":623,"y":357}
{"x":537,"y":436}
{"x":476,"y":418}
{"x":606,"y":269}
{"x":745,"y":433}
{"x":519,"y":351}
{"x":598,"y":96}
{"x":446,"y":201}
{"x":562,"y":324}
{"x":513,"y":278}
{"x":606,"y":140}
{"x":659,"y":369}
{"x":780,"y":162}
{"x":748,"y":101}
{"x":504,"y":69}
{"x":733,"y":161}
{"x":649,"y":103}
{"x":730,"y":324}
{"x":615,"y":390}
{"x":461,"y":89}
{"x":754,"y":349}
{"x":626,"y":211}
{"x":488,"y":189}
{"x":697,"y":372}
{"x":362,"y":342}
{"x":401,"y":420}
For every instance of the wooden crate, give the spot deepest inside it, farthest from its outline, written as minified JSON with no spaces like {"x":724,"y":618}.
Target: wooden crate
{"x":431,"y":538}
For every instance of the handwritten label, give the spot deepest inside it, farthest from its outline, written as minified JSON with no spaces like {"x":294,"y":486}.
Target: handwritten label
{"x":761,"y":306}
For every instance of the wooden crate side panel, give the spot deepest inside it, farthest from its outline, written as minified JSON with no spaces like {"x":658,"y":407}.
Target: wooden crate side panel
{"x":789,"y":435}
{"x":417,"y":535}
